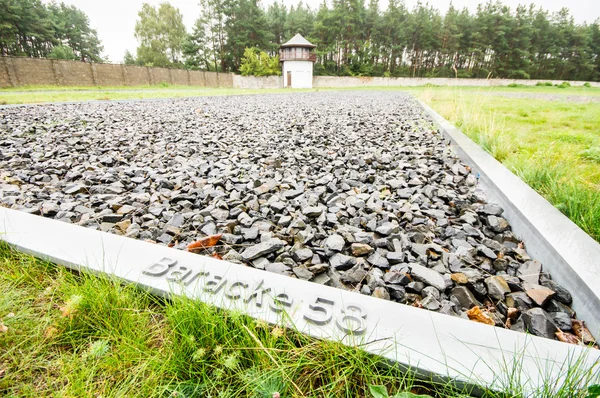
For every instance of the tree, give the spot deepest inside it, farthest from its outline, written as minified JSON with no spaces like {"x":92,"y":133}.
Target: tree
{"x":128,"y":58}
{"x":356,"y":38}
{"x":276,"y":19}
{"x":72,"y":29}
{"x":196,"y":48}
{"x":30,"y":28}
{"x":245,"y":26}
{"x":62,"y":52}
{"x":161,"y":34}
{"x":259,"y":63}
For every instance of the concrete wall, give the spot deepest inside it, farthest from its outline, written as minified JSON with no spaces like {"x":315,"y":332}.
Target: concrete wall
{"x":17,"y":71}
{"x":301,"y":71}
{"x":343,"y":81}
{"x":257,"y":82}
{"x":109,"y":74}
{"x":197,"y":78}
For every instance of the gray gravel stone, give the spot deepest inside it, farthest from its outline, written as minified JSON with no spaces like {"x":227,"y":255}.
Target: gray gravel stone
{"x":262,"y":249}
{"x":300,"y":184}
{"x":427,"y":276}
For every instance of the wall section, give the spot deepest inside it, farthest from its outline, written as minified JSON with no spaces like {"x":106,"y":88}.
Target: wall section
{"x":347,"y":81}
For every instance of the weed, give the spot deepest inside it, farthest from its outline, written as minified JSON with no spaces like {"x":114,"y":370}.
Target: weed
{"x":591,"y":154}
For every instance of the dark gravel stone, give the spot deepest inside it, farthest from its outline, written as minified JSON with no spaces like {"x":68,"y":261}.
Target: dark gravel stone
{"x":338,"y":188}
{"x":538,"y":322}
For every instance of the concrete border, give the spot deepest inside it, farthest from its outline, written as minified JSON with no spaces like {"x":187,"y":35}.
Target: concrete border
{"x":433,"y":344}
{"x":570,"y":255}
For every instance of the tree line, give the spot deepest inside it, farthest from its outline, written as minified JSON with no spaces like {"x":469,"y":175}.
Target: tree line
{"x":30,"y":28}
{"x":358,"y":39}
{"x":353,"y":38}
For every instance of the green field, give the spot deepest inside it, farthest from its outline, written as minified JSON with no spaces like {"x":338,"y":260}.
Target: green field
{"x":40,"y":94}
{"x":548,"y":138}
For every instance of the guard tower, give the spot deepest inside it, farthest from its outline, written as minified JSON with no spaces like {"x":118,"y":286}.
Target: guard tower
{"x":297,"y":62}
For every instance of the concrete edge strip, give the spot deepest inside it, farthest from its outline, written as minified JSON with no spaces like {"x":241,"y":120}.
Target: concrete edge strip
{"x":432,"y":344}
{"x":570,"y":255}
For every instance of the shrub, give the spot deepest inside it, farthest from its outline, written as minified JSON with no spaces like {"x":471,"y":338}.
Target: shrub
{"x":548,"y":84}
{"x":515,"y":85}
{"x":587,"y":84}
{"x":259,"y":63}
{"x":563,"y":85}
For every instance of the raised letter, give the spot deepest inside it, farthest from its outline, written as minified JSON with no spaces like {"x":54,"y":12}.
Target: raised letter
{"x":353,"y":313}
{"x":159,"y":268}
{"x":213,"y":286}
{"x":322,"y":315}
{"x":178,"y":275}
{"x":280,"y":301}
{"x":258,"y":294}
{"x":229,"y":293}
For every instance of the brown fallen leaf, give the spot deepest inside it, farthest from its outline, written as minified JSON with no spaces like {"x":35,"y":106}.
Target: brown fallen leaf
{"x":50,"y":332}
{"x":583,"y":332}
{"x":460,"y":278}
{"x":475,"y":314}
{"x":204,"y":243}
{"x":71,"y":306}
{"x":217,"y":256}
{"x":2,"y":371}
{"x":512,"y":313}
{"x":3,"y":328}
{"x":567,"y":337}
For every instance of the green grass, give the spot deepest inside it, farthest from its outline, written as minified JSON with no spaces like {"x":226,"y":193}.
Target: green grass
{"x":66,"y":334}
{"x":554,"y":146}
{"x":73,"y":334}
{"x":40,"y":94}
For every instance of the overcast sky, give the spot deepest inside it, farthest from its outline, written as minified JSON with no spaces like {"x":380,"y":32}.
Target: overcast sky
{"x":115,"y":19}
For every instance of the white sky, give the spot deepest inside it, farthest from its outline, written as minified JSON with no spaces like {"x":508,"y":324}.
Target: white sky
{"x":115,"y":19}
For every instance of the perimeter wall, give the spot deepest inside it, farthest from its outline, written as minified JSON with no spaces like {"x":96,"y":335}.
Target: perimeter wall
{"x":21,"y":71}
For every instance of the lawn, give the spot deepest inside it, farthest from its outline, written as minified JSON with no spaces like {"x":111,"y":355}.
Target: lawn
{"x":66,"y":334}
{"x":551,"y":143}
{"x":40,"y":94}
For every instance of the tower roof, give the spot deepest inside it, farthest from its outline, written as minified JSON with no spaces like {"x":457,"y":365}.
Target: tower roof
{"x":298,"y":41}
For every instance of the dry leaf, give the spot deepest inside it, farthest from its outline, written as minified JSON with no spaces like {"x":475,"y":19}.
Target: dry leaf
{"x":50,"y":332}
{"x":70,"y":307}
{"x":475,"y":314}
{"x":217,"y":256}
{"x":3,"y":328}
{"x":460,"y":278}
{"x":277,"y":332}
{"x":204,"y":243}
{"x":583,"y":332}
{"x":512,"y":313}
{"x":567,"y":338}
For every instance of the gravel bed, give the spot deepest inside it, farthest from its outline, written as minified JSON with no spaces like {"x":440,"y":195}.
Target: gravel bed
{"x":353,"y":190}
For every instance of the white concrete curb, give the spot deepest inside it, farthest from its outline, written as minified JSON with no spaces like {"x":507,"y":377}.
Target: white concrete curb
{"x":431,"y":343}
{"x":570,"y":255}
